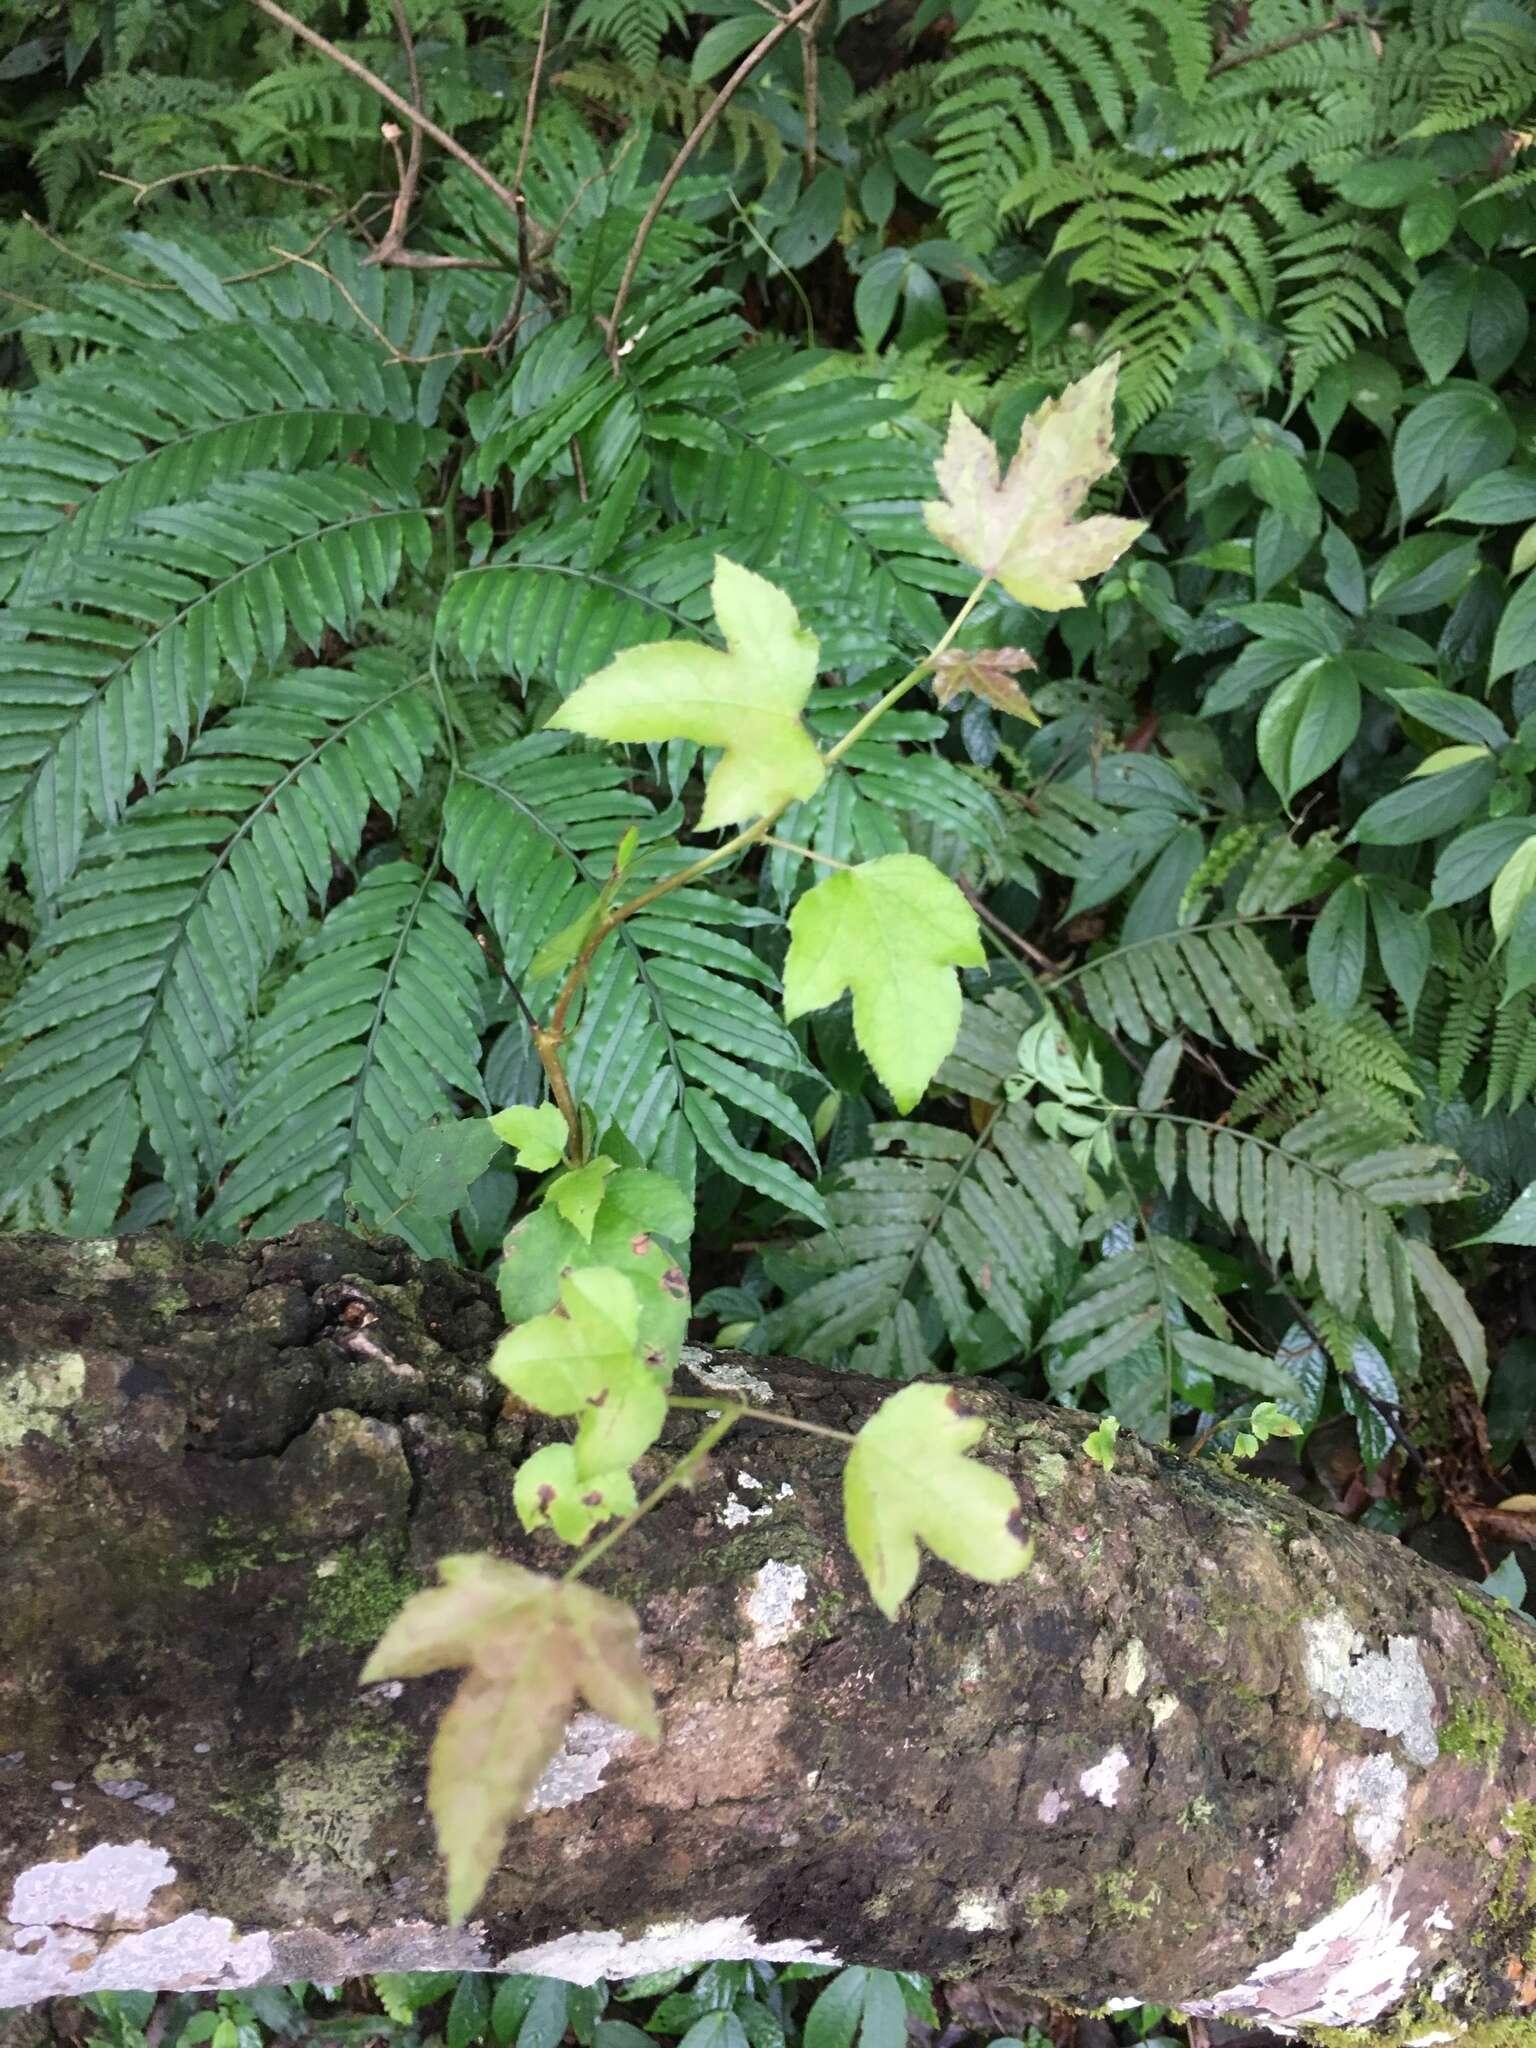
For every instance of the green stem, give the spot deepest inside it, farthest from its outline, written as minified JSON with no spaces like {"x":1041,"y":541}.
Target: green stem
{"x":913,"y":675}
{"x":684,"y":1469}
{"x":751,"y":835}
{"x":838,"y":1436}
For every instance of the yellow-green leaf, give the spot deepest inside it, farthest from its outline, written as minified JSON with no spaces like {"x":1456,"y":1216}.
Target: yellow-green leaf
{"x":746,"y":701}
{"x":892,"y":931}
{"x":550,"y":1491}
{"x":1512,"y":889}
{"x":1444,"y":758}
{"x":1023,"y":528}
{"x":532,"y":1647}
{"x":537,"y":1136}
{"x":583,"y":1359}
{"x":578,"y":1195}
{"x":908,"y":1479}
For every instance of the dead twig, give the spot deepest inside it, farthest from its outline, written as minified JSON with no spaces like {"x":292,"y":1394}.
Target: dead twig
{"x":408,"y":172}
{"x":674,"y":170}
{"x":511,"y":320}
{"x":390,"y":97}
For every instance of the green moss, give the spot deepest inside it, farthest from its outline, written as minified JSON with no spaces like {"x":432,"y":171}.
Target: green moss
{"x":231,"y":1551}
{"x":1473,"y":1733}
{"x":1044,"y":1905}
{"x":1425,"y":2015}
{"x":1516,"y":1893}
{"x":1512,"y":1646}
{"x":328,"y":1808}
{"x":1197,"y":1813}
{"x":1348,"y":1881}
{"x":355,"y":1600}
{"x":1118,"y":1903}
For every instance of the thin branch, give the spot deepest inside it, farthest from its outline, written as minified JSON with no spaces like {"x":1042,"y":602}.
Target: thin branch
{"x":810,"y":58}
{"x":138,"y":284}
{"x":390,"y":97}
{"x":674,"y":170}
{"x":409,"y":172}
{"x":527,"y":254}
{"x":143,"y":187}
{"x":373,"y":327}
{"x":1006,"y":932}
{"x":1348,"y":19}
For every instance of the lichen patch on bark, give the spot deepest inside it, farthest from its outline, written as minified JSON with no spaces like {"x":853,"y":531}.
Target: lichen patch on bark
{"x":666,"y":1945}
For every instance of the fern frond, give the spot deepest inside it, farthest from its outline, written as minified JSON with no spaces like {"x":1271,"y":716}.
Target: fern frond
{"x":1215,"y":980}
{"x":95,"y":692}
{"x":374,"y":1035}
{"x":673,"y":1036}
{"x":1321,"y":1200}
{"x":150,"y":971}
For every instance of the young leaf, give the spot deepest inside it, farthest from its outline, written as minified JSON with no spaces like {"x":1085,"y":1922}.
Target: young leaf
{"x":892,"y":930}
{"x":532,"y":1647}
{"x":1022,"y":528}
{"x":1099,"y":1443}
{"x":537,"y":1136}
{"x":583,"y":1359}
{"x":578,"y":1195}
{"x":746,"y":701}
{"x":908,"y":1477}
{"x":987,"y":672}
{"x":551,"y":1491}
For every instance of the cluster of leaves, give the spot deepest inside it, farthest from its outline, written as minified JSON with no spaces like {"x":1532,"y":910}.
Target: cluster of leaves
{"x":723,"y":2005}
{"x":1126,"y":988}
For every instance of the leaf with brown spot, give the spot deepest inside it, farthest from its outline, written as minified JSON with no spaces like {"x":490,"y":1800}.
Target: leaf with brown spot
{"x":908,"y":1478}
{"x":987,"y":672}
{"x":1023,"y":529}
{"x":532,"y":1648}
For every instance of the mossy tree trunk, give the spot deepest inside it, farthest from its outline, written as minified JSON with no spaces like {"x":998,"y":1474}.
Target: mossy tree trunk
{"x":1216,"y":1750}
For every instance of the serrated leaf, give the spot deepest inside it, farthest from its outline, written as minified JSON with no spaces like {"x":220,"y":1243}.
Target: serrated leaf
{"x":908,"y":1479}
{"x":1022,"y":529}
{"x":537,"y":1136}
{"x":551,"y":1491}
{"x":532,"y":1648}
{"x":987,"y":672}
{"x":747,"y":701}
{"x":892,"y":931}
{"x":583,"y":1359}
{"x":578,"y":1195}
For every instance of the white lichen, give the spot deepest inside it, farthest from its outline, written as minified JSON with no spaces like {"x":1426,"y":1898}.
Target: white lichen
{"x":668,"y":1945}
{"x":1344,"y":1971}
{"x":777,"y":1590}
{"x":1390,"y":1693}
{"x":35,"y":1402}
{"x":1375,"y":1790}
{"x":1162,"y":1707}
{"x":195,"y":1952}
{"x":1051,"y":1808}
{"x":978,"y":1912}
{"x":1102,"y":1780}
{"x":591,"y":1744}
{"x":109,"y":1886}
{"x":722,"y":1376}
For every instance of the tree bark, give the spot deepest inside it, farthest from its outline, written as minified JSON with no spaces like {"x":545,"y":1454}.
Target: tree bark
{"x":1215,"y":1750}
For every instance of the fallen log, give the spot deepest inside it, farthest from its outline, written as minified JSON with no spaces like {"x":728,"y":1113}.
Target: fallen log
{"x":1215,"y":1750}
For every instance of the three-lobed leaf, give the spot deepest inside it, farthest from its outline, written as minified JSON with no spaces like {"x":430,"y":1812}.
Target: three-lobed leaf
{"x":909,"y":1479}
{"x":892,"y":931}
{"x":583,"y":1359}
{"x":531,"y":1648}
{"x":747,"y":700}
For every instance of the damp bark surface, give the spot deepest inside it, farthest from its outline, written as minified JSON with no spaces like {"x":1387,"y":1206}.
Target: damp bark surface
{"x":1215,"y":1751}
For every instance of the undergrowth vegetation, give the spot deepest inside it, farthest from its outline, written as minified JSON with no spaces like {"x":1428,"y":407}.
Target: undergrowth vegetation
{"x":335,"y":461}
